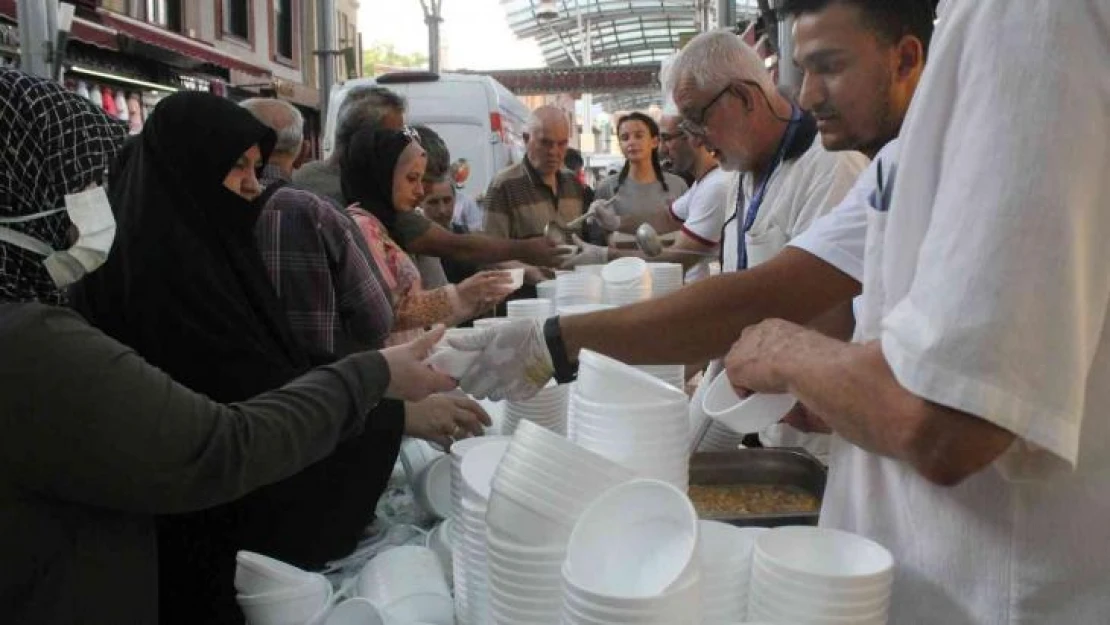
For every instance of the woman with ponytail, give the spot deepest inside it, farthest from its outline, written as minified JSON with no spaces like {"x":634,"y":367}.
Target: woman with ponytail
{"x":641,"y":188}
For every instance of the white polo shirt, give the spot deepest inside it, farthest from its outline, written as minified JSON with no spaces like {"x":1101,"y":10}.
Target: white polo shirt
{"x":702,"y":211}
{"x":799,"y":191}
{"x":987,"y":281}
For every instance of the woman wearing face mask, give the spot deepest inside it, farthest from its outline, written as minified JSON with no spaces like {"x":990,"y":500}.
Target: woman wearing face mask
{"x":186,"y":287}
{"x":642,"y":188}
{"x":381,"y":176}
{"x":97,"y":440}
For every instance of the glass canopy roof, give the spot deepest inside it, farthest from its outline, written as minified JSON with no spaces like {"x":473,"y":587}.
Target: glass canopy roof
{"x":621,"y":32}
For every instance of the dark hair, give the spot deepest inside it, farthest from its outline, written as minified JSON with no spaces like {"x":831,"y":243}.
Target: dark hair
{"x":573,"y":160}
{"x":363,"y":106}
{"x":653,"y":129}
{"x":890,"y":20}
{"x":366,"y":173}
{"x":439,"y":157}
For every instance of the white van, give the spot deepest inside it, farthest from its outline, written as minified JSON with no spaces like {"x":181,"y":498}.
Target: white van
{"x":478,"y":118}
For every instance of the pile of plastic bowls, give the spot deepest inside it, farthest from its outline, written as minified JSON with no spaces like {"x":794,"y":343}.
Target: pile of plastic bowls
{"x":817,"y":576}
{"x":470,"y":571}
{"x":665,"y":278}
{"x":542,"y":486}
{"x":627,"y":281}
{"x":548,"y":409}
{"x":529,"y":308}
{"x":675,"y":375}
{"x":272,"y":592}
{"x":726,"y":564}
{"x":577,"y":288}
{"x":633,"y":558}
{"x":631,"y":418}
{"x":408,"y":585}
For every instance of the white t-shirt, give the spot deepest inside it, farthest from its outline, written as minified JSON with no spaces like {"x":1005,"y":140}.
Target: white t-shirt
{"x":799,"y":191}
{"x":702,"y":212}
{"x":988,"y":283}
{"x":468,"y":213}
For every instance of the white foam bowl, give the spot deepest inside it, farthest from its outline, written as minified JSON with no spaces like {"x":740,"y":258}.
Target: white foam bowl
{"x":307,"y":604}
{"x":765,"y":589}
{"x":517,"y":276}
{"x":819,"y":592}
{"x":779,"y":612}
{"x":432,"y":488}
{"x":355,"y":611}
{"x":824,"y":556}
{"x":750,"y":414}
{"x":401,"y":572}
{"x":434,"y":609}
{"x":525,"y":519}
{"x":679,"y":603}
{"x":451,"y":361}
{"x":635,"y":540}
{"x":624,"y":270}
{"x":489,"y":322}
{"x":256,"y":574}
{"x":478,"y":467}
{"x":604,"y":379}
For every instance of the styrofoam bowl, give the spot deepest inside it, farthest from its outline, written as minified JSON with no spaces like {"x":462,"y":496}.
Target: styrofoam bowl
{"x":400,"y":572}
{"x":451,"y":361}
{"x":479,"y":465}
{"x":766,"y":590}
{"x":432,"y":488}
{"x":601,"y":378}
{"x":635,"y":540}
{"x":532,"y":442}
{"x":517,"y":276}
{"x":489,"y":322}
{"x":624,"y":270}
{"x":787,"y":613}
{"x":750,"y":414}
{"x":434,"y":609}
{"x":825,"y":556}
{"x":256,"y":574}
{"x":818,"y":591}
{"x":355,"y":611}
{"x":295,"y":610}
{"x":525,"y":519}
{"x":676,"y":604}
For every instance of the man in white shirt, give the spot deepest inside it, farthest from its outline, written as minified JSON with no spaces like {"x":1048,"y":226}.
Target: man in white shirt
{"x":972,"y":409}
{"x":857,"y":49}
{"x":697,"y":215}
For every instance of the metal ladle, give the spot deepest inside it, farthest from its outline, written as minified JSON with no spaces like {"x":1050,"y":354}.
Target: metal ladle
{"x":648,"y":241}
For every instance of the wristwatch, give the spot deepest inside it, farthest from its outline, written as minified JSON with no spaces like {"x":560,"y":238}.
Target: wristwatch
{"x":565,"y":371}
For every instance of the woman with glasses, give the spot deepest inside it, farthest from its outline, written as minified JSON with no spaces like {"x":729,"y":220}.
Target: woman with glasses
{"x":381,"y":177}
{"x":642,"y":188}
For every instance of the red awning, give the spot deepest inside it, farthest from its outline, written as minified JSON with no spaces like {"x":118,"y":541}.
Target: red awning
{"x":180,"y":44}
{"x":82,"y":30}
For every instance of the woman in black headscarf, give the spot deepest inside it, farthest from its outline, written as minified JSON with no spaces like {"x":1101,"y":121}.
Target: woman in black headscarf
{"x":96,"y":440}
{"x":186,"y":287}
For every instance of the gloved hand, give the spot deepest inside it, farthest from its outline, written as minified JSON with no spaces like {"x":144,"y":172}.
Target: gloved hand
{"x":603,"y":213}
{"x":588,"y":254}
{"x":513,"y":362}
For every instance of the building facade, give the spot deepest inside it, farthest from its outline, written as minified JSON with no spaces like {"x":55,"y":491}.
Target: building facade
{"x":133,"y":52}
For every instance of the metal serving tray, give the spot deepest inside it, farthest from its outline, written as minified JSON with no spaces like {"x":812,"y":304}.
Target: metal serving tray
{"x":777,"y":467}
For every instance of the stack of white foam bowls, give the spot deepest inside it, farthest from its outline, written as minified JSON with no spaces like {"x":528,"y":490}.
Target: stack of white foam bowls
{"x":671,"y":374}
{"x":633,"y":558}
{"x":720,"y":437}
{"x":471,"y":575}
{"x":577,"y":288}
{"x":627,"y":281}
{"x":631,"y":418}
{"x":548,"y":289}
{"x":665,"y":278}
{"x":529,"y":308}
{"x":548,"y":409}
{"x":459,"y":449}
{"x":818,"y":576}
{"x":726,"y":564}
{"x":594,"y":270}
{"x":542,"y":486}
{"x":582,"y":309}
{"x":407,"y":584}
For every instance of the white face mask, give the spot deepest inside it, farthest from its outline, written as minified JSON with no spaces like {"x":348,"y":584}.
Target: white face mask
{"x":91,"y":213}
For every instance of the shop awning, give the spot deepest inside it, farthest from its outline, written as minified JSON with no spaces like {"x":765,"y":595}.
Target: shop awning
{"x":179,"y":44}
{"x":83,"y":30}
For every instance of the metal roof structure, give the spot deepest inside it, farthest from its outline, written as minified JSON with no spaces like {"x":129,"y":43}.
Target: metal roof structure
{"x":619,"y":32}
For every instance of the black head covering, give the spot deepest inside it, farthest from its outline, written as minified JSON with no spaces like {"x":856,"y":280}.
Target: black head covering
{"x":185,"y":284}
{"x":52,"y":143}
{"x":366,"y":175}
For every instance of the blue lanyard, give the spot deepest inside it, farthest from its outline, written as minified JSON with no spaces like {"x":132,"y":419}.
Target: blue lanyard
{"x":757,"y":197}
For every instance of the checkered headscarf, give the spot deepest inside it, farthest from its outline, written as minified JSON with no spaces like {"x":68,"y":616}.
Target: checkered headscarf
{"x":52,"y":143}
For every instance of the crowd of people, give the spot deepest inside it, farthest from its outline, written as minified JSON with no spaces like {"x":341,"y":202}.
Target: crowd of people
{"x":208,"y":349}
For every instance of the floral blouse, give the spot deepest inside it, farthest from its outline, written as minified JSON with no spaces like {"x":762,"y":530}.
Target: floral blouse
{"x":413,"y":307}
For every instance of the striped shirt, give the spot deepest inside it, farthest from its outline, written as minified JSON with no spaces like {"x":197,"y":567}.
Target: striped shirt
{"x":519,"y":203}
{"x":320,"y":268}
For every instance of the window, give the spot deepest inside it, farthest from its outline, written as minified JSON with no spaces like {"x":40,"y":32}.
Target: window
{"x":236,"y":19}
{"x":283,"y":29}
{"x":165,"y":13}
{"x":118,"y":6}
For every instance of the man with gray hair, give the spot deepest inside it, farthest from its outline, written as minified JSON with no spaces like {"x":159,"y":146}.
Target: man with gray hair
{"x":288,"y":123}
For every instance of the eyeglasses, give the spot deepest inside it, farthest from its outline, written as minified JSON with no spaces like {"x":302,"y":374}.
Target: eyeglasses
{"x":695,"y":124}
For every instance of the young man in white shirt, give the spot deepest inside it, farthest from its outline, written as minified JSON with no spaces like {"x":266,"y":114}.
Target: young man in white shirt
{"x":879,"y":53}
{"x":972,"y":408}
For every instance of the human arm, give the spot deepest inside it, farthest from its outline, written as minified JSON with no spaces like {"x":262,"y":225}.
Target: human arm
{"x":444,"y":418}
{"x":854,"y":391}
{"x":118,"y":433}
{"x":484,"y":249}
